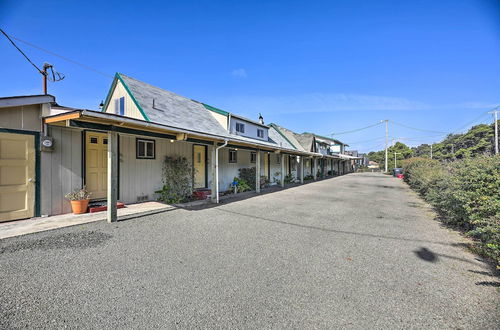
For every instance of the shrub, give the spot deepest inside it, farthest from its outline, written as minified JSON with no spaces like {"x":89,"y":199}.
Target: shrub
{"x":78,"y":194}
{"x":466,"y":193}
{"x":176,"y":179}
{"x":241,"y":185}
{"x":308,"y":177}
{"x":288,"y":178}
{"x":248,"y":175}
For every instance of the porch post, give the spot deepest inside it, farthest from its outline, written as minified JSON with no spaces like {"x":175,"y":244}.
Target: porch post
{"x":112,"y":176}
{"x":301,"y":172}
{"x":282,"y":170}
{"x":315,"y":168}
{"x":213,"y":193}
{"x":257,"y":171}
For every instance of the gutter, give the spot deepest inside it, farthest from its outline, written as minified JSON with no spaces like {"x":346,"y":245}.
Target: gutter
{"x":217,"y":171}
{"x":149,"y":124}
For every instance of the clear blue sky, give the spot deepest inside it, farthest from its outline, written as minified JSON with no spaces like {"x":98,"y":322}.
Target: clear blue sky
{"x":308,"y":65}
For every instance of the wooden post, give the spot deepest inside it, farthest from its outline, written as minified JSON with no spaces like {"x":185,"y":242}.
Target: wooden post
{"x":257,"y":171}
{"x":301,"y":171}
{"x":112,"y":176}
{"x":282,"y":170}
{"x":315,"y":168}
{"x":213,"y":194}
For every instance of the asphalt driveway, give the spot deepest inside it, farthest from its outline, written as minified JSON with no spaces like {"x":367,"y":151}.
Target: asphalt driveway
{"x":358,"y":251}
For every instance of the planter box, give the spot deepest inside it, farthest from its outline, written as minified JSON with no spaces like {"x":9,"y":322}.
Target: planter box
{"x":94,"y":209}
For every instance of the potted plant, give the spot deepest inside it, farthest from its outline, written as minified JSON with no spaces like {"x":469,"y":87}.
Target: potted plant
{"x":79,"y":199}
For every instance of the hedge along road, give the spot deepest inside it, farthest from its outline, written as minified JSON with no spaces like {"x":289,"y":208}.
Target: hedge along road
{"x":358,"y":251}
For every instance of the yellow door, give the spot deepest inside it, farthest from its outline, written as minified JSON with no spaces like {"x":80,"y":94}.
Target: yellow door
{"x":266,"y":165}
{"x":96,"y":164}
{"x":199,"y":166}
{"x":17,"y":176}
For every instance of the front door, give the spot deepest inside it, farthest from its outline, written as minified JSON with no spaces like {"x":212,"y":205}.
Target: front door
{"x":96,"y":164}
{"x":199,"y":154}
{"x":17,"y":176}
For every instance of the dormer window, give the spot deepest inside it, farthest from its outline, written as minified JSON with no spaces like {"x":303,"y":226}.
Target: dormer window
{"x":240,"y":127}
{"x":120,"y":106}
{"x":260,"y":133}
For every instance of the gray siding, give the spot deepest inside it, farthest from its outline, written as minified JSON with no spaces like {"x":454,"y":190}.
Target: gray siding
{"x":142,"y":177}
{"x":23,"y":117}
{"x":61,"y":170}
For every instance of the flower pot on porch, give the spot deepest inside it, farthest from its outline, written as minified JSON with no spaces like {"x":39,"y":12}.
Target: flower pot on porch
{"x":80,"y":206}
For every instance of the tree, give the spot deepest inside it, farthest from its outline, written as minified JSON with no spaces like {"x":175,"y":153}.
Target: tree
{"x":478,"y":141}
{"x":402,"y":152}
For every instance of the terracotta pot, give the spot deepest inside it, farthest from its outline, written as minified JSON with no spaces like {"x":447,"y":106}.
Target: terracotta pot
{"x":80,"y":206}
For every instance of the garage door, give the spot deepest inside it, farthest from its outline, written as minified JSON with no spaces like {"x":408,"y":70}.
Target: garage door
{"x":17,"y":176}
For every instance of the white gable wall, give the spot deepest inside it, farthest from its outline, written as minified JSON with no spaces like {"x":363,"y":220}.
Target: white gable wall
{"x":131,"y":109}
{"x":222,"y":119}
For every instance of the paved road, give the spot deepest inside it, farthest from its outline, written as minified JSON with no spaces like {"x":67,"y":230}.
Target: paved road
{"x":358,"y":251}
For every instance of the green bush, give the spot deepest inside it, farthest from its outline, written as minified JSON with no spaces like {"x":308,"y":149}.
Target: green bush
{"x":288,"y":178}
{"x":241,"y":185}
{"x":308,"y":177}
{"x":248,"y":175}
{"x":466,"y":193}
{"x":177,"y":176}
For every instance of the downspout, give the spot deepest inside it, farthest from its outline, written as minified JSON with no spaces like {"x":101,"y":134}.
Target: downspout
{"x":217,"y":170}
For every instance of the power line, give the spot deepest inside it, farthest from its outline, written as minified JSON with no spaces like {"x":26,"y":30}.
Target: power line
{"x":358,"y":142}
{"x":470,"y":122}
{"x":414,"y":128}
{"x":357,"y":130}
{"x":63,"y":57}
{"x":19,"y":49}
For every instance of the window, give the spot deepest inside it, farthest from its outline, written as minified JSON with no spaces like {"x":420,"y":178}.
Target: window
{"x":240,"y":127}
{"x":260,"y":133}
{"x":145,"y":149}
{"x":253,"y":157}
{"x":93,"y":140}
{"x":278,"y":159}
{"x":232,"y":156}
{"x":120,"y":106}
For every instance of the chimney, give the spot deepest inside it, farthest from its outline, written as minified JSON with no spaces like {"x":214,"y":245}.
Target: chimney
{"x":261,"y":119}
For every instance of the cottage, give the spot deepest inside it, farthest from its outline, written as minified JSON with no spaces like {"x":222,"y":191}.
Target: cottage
{"x":48,"y":150}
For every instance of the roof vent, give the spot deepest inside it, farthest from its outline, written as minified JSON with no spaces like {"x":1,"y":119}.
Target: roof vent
{"x":261,"y":119}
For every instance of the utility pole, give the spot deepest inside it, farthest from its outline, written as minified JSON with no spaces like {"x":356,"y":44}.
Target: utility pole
{"x":396,"y":159}
{"x":44,"y":76}
{"x":386,"y":143}
{"x":495,"y":117}
{"x":431,"y":150}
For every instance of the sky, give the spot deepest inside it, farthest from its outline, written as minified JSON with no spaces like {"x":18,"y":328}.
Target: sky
{"x":312,"y":66}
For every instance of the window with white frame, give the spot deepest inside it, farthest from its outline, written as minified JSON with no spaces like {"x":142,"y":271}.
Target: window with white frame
{"x":145,"y":149}
{"x":260,"y":133}
{"x":233,"y":156}
{"x":253,"y":157}
{"x":120,"y":106}
{"x":240,"y":127}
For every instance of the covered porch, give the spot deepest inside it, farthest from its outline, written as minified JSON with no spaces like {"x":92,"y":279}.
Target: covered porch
{"x":120,"y":159}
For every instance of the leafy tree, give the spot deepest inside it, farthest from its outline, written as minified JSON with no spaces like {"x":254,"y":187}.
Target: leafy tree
{"x":478,"y":141}
{"x":402,"y":152}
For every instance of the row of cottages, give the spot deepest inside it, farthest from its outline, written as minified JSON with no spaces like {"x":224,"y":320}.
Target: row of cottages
{"x":48,"y":150}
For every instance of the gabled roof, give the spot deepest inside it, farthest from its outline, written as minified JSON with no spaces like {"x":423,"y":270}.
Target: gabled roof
{"x":288,"y":135}
{"x":307,"y":141}
{"x":167,"y":108}
{"x":277,"y":137}
{"x":329,"y":139}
